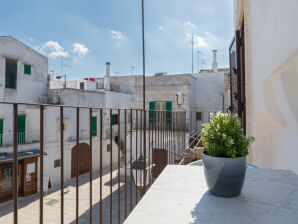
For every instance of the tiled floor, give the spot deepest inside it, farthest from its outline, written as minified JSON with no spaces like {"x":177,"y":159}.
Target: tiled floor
{"x":28,"y":212}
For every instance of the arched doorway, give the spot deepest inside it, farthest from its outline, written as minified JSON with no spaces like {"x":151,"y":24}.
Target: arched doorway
{"x":84,"y":159}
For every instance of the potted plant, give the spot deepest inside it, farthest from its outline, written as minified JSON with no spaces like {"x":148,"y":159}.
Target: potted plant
{"x":225,"y":153}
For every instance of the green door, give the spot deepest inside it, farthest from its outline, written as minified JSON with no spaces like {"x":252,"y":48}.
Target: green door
{"x":1,"y":133}
{"x":21,"y":129}
{"x":152,"y":113}
{"x":94,"y":126}
{"x":169,"y":113}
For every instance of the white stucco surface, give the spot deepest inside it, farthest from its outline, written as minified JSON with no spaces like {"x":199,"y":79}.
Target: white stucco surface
{"x":179,"y":195}
{"x":271,"y":59}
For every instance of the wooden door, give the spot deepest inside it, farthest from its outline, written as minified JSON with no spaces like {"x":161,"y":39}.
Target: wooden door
{"x":160,"y":159}
{"x":30,"y":176}
{"x":84,"y":159}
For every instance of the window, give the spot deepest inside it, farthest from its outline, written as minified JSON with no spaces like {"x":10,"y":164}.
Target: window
{"x":82,"y":85}
{"x":57,"y":163}
{"x":198,"y":116}
{"x":94,"y":126}
{"x":108,"y":147}
{"x":27,"y":69}
{"x":114,"y":119}
{"x":11,"y":74}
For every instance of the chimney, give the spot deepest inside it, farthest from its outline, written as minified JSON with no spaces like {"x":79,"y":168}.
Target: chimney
{"x":107,"y":77}
{"x":108,"y":69}
{"x":214,"y":64}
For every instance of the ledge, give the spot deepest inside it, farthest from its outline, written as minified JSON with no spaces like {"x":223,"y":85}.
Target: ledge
{"x":180,"y":195}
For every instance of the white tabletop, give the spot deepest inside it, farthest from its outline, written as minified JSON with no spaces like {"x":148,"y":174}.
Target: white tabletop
{"x":180,"y":195}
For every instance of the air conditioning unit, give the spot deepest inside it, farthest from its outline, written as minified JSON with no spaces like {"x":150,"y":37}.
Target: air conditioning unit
{"x":43,"y":99}
{"x":54,"y":99}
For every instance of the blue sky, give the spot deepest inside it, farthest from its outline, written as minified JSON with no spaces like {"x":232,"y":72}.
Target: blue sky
{"x":87,"y":33}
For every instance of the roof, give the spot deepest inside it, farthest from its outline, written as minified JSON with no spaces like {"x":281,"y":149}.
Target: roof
{"x":8,"y":156}
{"x":30,"y":48}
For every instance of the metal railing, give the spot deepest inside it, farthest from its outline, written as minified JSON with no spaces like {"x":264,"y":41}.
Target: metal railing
{"x":166,"y":134}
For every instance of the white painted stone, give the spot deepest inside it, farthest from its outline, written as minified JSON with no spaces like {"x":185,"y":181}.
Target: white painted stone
{"x":180,"y":195}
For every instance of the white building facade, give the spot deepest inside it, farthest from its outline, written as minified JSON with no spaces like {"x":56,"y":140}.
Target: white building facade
{"x":269,"y":34}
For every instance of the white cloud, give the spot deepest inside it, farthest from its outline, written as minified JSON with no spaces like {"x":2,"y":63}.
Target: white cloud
{"x":161,"y":28}
{"x":53,"y":49}
{"x":31,"y":39}
{"x":117,"y":35}
{"x":189,"y":25}
{"x":80,"y":50}
{"x":198,"y":41}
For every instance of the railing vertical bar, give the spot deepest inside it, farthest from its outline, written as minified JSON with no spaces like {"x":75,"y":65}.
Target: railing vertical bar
{"x":90,"y":168}
{"x":145,"y":151}
{"x":196,"y":123}
{"x":141,"y":145}
{"x":125,"y":168}
{"x":136,"y":159}
{"x":15,"y":164}
{"x":77,"y":165}
{"x":184,"y":133}
{"x":149,"y":146}
{"x":119,"y":144}
{"x":41,"y":166}
{"x":100,"y":169}
{"x":131,"y":149}
{"x":159,"y":145}
{"x":172,"y":125}
{"x":62,"y":165}
{"x":111,"y":168}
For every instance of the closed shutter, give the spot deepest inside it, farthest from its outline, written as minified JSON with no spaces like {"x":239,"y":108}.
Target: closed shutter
{"x":1,"y":132}
{"x":169,"y":113}
{"x":21,"y":129}
{"x":27,"y":69}
{"x":152,"y":112}
{"x":94,"y":126}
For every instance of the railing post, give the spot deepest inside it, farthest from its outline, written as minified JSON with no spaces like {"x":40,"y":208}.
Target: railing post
{"x":90,"y":164}
{"x":62,"y":165}
{"x":15,"y":164}
{"x":111,"y":168}
{"x":77,"y":165}
{"x":100,"y":169}
{"x":41,"y":166}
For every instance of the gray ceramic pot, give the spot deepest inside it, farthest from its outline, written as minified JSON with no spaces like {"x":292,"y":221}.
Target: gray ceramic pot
{"x":224,"y":176}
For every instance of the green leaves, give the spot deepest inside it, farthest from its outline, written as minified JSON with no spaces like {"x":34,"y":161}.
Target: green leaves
{"x":223,"y":136}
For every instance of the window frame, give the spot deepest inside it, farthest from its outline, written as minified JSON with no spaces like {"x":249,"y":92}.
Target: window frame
{"x":16,"y":75}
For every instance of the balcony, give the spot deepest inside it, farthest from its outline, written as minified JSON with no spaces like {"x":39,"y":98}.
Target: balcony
{"x":109,"y":181}
{"x":180,"y":195}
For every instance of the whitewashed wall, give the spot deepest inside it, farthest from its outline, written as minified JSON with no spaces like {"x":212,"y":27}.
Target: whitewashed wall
{"x":271,"y":81}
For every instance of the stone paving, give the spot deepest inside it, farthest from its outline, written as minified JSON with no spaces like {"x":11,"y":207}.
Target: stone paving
{"x":28,"y":212}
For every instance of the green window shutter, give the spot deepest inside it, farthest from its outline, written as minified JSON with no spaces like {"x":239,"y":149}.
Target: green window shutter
{"x":94,"y":126}
{"x":114,"y":119}
{"x":27,"y":69}
{"x":21,"y":129}
{"x":1,"y":132}
{"x":11,"y":74}
{"x":152,"y":112}
{"x":169,"y":112}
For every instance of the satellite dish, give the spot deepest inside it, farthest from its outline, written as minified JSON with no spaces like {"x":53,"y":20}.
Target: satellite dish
{"x":179,"y":98}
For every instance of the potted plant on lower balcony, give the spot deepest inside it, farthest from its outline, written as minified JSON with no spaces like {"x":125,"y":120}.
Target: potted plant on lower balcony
{"x":224,"y":157}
